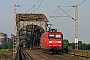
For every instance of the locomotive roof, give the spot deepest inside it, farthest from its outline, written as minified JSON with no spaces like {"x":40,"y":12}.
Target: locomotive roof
{"x":51,"y":32}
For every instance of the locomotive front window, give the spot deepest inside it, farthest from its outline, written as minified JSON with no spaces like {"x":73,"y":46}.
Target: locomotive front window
{"x":54,"y":36}
{"x":51,"y":36}
{"x":57,"y":36}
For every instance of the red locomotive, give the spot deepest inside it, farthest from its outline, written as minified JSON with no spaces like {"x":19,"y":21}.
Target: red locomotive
{"x":52,"y":41}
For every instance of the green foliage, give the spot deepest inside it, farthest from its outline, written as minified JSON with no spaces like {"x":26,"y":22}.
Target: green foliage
{"x":10,"y":45}
{"x":84,"y":46}
{"x":5,"y":53}
{"x":22,"y":43}
{"x":65,"y":43}
{"x":70,"y":46}
{"x":80,"y":45}
{"x":6,"y":45}
{"x":88,"y":46}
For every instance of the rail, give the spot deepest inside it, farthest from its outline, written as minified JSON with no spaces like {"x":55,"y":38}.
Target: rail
{"x":25,"y":55}
{"x":78,"y":55}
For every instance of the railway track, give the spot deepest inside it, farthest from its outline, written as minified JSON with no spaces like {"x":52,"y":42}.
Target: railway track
{"x":67,"y":57}
{"x":40,"y":55}
{"x":31,"y":55}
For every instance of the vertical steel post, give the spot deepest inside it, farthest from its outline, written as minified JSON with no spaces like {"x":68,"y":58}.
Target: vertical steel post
{"x":14,"y":40}
{"x":18,"y":37}
{"x":76,"y":28}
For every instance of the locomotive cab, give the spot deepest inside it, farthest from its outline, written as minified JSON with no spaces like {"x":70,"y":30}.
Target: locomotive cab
{"x":52,"y":41}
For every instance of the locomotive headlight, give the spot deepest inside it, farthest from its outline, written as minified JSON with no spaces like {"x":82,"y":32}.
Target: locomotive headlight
{"x":50,"y":41}
{"x":59,"y":41}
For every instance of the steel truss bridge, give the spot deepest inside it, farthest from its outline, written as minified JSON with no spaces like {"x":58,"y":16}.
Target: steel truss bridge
{"x":29,"y":28}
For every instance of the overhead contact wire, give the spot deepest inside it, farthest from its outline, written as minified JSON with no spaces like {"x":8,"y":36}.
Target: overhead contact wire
{"x":38,"y":6}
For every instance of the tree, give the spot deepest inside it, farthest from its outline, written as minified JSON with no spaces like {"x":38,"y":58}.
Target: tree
{"x":84,"y":46}
{"x":88,"y":46}
{"x":72,"y":44}
{"x":4,"y":45}
{"x":80,"y":45}
{"x":10,"y":45}
{"x":70,"y":48}
{"x":65,"y":43}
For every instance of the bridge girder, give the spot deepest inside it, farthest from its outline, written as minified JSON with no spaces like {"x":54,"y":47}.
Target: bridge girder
{"x":30,"y":26}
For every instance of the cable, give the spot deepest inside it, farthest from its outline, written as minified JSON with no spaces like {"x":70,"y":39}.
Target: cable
{"x":38,"y":6}
{"x":27,"y":10}
{"x":68,"y":10}
{"x":81,"y":2}
{"x":29,"y":5}
{"x":66,"y":3}
{"x":30,"y":9}
{"x":34,"y":8}
{"x":62,"y":14}
{"x":66,"y":13}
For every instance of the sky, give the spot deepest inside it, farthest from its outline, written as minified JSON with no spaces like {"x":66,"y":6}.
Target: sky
{"x":49,"y":8}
